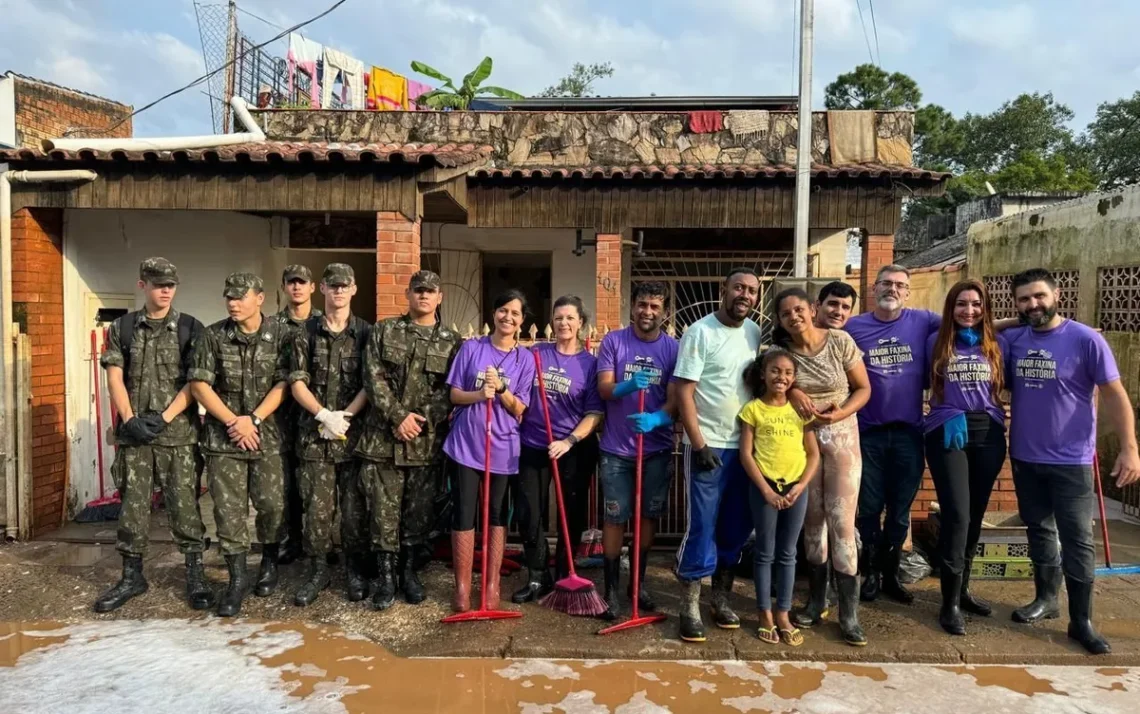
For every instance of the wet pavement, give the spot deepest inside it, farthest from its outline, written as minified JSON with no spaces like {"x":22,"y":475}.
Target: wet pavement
{"x":210,"y":665}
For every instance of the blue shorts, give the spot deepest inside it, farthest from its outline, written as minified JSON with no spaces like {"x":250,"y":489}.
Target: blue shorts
{"x":617,"y":474}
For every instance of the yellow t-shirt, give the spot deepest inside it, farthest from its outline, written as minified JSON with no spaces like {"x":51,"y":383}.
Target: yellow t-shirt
{"x":777,"y":441}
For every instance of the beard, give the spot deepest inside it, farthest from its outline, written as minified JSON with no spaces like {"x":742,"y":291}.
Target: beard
{"x":738,"y":309}
{"x":889,"y":303}
{"x":1039,"y":319}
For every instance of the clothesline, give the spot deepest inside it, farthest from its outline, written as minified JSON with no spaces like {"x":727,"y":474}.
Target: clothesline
{"x":374,"y":88}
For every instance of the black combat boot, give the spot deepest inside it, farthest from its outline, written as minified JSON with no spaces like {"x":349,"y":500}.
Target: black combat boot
{"x":292,"y":551}
{"x":889,"y":570}
{"x":967,"y":601}
{"x":319,"y":579}
{"x":230,"y":603}
{"x":723,"y":615}
{"x":538,"y":581}
{"x":1080,"y":618}
{"x":414,"y":592}
{"x":950,"y":616}
{"x":385,"y":594}
{"x":267,"y":574}
{"x":356,"y":586}
{"x":131,"y":584}
{"x":1047,"y":582}
{"x":645,"y":601}
{"x":848,"y":588}
{"x":198,"y":591}
{"x":611,"y":574}
{"x":692,"y":628}
{"x":816,"y":609}
{"x":868,"y":568}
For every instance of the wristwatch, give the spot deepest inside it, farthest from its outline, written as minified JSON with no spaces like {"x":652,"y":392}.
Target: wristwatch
{"x":502,"y":388}
{"x":572,"y":440}
{"x":256,"y":420}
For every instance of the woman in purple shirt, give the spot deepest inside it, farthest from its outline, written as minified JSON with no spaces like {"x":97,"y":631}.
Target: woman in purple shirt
{"x":570,"y":375}
{"x":965,"y":438}
{"x":496,"y":368}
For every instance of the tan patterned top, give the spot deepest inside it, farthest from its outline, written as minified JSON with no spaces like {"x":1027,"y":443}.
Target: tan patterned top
{"x":823,"y":377}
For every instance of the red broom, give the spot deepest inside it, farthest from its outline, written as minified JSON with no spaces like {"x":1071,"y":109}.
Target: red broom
{"x":573,"y":595}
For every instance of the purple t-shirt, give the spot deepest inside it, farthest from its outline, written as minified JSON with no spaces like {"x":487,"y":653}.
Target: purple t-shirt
{"x":467,"y":438}
{"x":967,"y":386}
{"x":1052,"y":376}
{"x":895,"y":355}
{"x":571,"y":391}
{"x":623,"y":353}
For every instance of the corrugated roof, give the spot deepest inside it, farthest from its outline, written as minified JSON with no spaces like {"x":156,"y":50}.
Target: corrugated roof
{"x":445,"y":155}
{"x":944,"y":252}
{"x":713,"y":171}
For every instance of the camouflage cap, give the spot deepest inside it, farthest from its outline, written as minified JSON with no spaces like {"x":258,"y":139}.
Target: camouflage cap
{"x":297,"y":272}
{"x":158,"y":271}
{"x":238,"y":284}
{"x":338,"y":274}
{"x":424,"y":279}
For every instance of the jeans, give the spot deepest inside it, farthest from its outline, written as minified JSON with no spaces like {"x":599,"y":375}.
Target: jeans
{"x":776,"y":536}
{"x":964,"y":479}
{"x":618,"y":475}
{"x":531,"y":494}
{"x":719,"y":521}
{"x":1057,"y":500}
{"x":469,"y":505}
{"x":892,"y":474}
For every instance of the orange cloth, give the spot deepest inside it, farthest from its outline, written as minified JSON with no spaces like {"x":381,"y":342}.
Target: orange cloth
{"x":387,"y":91}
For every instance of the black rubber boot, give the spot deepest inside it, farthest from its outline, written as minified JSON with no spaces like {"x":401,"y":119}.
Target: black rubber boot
{"x":868,"y":568}
{"x":198,"y":591}
{"x":319,"y":579}
{"x":414,"y":592}
{"x":692,"y":628}
{"x":230,"y":603}
{"x":1080,"y":618}
{"x":889,"y":570}
{"x":537,"y":584}
{"x":356,"y":588}
{"x":291,"y":551}
{"x":816,"y":609}
{"x":131,"y":584}
{"x":611,"y":572}
{"x":645,"y":602}
{"x":848,"y":589}
{"x":1047,"y":583}
{"x":385,"y":594}
{"x":267,"y":573}
{"x":967,"y":601}
{"x":723,"y":615}
{"x":950,"y":616}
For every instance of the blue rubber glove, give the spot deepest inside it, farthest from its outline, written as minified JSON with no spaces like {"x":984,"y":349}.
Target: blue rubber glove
{"x":954,"y":433}
{"x":639,"y":380}
{"x":646,"y":422}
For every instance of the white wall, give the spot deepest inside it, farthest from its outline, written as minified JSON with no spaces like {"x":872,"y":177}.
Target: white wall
{"x":831,"y":247}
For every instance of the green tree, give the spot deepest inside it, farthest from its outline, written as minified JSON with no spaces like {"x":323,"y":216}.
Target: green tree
{"x":580,"y":81}
{"x":451,"y":97}
{"x":1112,"y":142}
{"x":870,"y":87}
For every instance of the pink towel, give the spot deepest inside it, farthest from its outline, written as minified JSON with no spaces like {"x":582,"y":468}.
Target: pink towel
{"x":706,"y":122}
{"x":415,"y":89}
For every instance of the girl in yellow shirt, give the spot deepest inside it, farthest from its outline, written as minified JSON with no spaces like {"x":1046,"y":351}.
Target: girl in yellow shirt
{"x":780,"y":457}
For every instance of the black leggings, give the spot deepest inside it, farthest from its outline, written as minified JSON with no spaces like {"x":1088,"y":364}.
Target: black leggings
{"x":469,"y":506}
{"x":531,"y":493}
{"x":964,"y":479}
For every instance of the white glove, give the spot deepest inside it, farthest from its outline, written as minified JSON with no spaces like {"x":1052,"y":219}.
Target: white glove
{"x":324,"y":433}
{"x":334,"y":424}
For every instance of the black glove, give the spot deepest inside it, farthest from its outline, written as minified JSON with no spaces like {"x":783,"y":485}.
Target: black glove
{"x":154,"y":423}
{"x":135,"y":431}
{"x":707,"y":459}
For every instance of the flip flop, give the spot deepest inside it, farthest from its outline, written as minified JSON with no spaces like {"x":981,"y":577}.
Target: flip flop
{"x":769,"y":635}
{"x":792,"y":637}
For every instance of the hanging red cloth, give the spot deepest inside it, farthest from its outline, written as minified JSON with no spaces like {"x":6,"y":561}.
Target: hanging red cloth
{"x":706,"y":122}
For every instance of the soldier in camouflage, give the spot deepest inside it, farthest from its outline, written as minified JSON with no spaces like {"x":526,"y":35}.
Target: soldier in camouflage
{"x":297,"y":284}
{"x":157,"y":434}
{"x":325,"y":379}
{"x":406,"y":365}
{"x":238,"y":371}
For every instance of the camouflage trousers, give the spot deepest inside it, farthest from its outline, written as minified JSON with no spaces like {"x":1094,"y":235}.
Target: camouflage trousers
{"x":401,"y":502}
{"x":294,"y":503}
{"x":325,"y":487}
{"x":136,"y":469}
{"x":236,"y":482}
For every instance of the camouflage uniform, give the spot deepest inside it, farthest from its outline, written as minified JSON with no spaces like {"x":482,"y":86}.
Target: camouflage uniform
{"x":156,"y":374}
{"x":242,"y":369}
{"x":329,"y":364}
{"x":405,"y":368}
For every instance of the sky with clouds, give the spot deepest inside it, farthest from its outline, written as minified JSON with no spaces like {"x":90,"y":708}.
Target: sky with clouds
{"x":967,"y":55}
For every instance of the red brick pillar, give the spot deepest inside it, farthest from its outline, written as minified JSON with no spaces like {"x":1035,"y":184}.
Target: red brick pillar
{"x":397,"y":257}
{"x":37,"y":300}
{"x":609,"y":285}
{"x":877,"y":252}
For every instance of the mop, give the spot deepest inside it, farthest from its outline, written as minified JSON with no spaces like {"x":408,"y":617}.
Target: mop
{"x":635,"y":572}
{"x":482,"y":613}
{"x":1107,"y":569}
{"x":573,"y":595}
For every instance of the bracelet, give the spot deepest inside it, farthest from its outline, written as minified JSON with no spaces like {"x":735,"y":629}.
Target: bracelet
{"x":572,"y":440}
{"x":502,"y":389}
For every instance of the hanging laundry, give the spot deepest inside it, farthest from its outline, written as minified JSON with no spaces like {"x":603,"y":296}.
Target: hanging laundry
{"x":388,"y":91}
{"x":747,"y":124}
{"x":351,"y":71}
{"x":851,"y":136}
{"x":304,"y":55}
{"x":415,"y":89}
{"x":706,"y":122}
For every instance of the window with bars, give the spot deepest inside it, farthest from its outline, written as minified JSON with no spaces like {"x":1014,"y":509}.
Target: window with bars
{"x":1118,"y":306}
{"x":1000,"y":288}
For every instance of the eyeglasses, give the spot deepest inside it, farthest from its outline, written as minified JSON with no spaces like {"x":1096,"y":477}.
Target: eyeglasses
{"x":888,"y":284}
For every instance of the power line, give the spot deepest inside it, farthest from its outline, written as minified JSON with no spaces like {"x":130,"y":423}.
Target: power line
{"x":875,"y":27}
{"x":866,"y":37}
{"x":258,"y":17}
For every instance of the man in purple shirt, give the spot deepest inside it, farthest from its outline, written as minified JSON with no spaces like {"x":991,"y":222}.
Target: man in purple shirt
{"x":634,"y":358}
{"x":1055,"y":368}
{"x":893,"y":340}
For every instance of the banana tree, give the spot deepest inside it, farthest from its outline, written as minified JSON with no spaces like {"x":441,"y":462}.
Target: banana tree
{"x":451,"y":97}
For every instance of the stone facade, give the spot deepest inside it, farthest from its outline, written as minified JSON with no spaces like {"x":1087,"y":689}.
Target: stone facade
{"x":579,"y":139}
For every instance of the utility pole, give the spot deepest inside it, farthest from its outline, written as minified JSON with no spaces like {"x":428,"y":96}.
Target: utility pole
{"x":803,"y":152}
{"x":231,"y":66}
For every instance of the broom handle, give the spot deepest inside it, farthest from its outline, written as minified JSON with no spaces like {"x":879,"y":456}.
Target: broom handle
{"x":635,"y":576}
{"x":554,"y":468}
{"x":98,"y":412}
{"x":1100,"y":502}
{"x":486,"y":507}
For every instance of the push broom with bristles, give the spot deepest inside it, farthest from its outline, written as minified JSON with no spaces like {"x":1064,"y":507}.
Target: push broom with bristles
{"x":573,"y":595}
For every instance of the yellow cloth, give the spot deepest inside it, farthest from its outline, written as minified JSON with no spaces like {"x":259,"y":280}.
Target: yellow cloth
{"x":851,"y":136}
{"x":894,"y":150}
{"x":388,"y":90}
{"x":777,"y":441}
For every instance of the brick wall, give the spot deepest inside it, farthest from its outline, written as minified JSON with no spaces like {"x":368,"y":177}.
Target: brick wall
{"x":37,"y":296}
{"x":877,"y":252}
{"x":48,"y":111}
{"x":397,"y":258}
{"x":609,"y":286}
